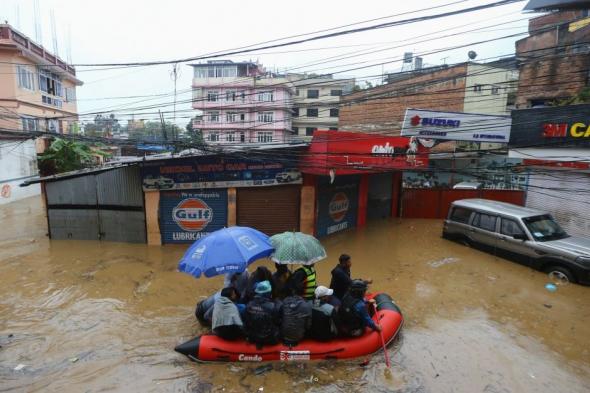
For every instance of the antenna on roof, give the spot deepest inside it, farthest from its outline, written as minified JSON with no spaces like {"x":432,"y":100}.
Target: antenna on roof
{"x":53,"y":33}
{"x":38,"y":32}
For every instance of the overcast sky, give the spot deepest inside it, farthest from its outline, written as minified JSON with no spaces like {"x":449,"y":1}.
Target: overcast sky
{"x":115,"y":31}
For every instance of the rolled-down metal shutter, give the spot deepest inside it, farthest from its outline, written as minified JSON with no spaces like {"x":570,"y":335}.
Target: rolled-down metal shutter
{"x":269,"y":209}
{"x":566,"y":195}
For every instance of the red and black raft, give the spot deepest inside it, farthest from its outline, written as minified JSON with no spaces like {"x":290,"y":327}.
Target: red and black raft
{"x":210,"y":348}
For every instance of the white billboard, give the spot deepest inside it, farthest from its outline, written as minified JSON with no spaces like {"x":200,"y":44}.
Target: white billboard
{"x":456,"y":126}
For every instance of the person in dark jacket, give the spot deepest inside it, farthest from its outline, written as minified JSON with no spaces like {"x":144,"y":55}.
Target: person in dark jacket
{"x":279,"y":281}
{"x":262,"y":317}
{"x":260,"y":274}
{"x":295,"y":319}
{"x":323,"y":316}
{"x":227,"y":322}
{"x":353,"y":316}
{"x":341,"y":276}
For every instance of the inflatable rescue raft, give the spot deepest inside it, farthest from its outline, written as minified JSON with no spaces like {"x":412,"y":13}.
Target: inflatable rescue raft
{"x":210,"y":348}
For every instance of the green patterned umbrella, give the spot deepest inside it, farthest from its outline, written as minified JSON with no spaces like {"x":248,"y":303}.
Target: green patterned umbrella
{"x":296,"y":248}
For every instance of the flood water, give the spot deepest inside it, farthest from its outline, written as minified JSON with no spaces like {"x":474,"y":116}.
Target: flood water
{"x":82,"y":316}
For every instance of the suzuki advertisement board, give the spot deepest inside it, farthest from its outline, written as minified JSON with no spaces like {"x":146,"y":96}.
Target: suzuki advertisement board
{"x":215,"y":172}
{"x":337,"y":208}
{"x":456,"y":126}
{"x":186,"y":216}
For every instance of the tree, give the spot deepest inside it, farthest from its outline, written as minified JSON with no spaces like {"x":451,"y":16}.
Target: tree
{"x":65,"y":155}
{"x":582,"y":97}
{"x":103,"y":126}
{"x":194,"y":136}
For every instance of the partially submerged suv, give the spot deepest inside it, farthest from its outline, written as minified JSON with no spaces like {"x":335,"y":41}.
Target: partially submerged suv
{"x":528,"y":236}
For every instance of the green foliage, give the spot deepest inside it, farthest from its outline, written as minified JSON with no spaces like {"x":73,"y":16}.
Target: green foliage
{"x":103,"y":126}
{"x":582,"y":97}
{"x":68,"y":155}
{"x":153,"y":131}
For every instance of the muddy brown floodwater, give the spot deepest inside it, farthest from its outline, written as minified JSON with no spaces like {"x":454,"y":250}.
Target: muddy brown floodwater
{"x":85,"y":316}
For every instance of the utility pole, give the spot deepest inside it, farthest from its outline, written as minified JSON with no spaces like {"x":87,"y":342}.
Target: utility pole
{"x":164,"y":134}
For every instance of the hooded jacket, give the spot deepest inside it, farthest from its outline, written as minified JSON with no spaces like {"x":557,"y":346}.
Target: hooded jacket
{"x":225,"y":313}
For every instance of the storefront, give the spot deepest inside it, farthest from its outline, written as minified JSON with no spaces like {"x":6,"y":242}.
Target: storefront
{"x":195,"y":196}
{"x":554,"y":145}
{"x":356,"y":177}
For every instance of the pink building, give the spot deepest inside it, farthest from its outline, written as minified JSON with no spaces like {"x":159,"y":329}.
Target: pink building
{"x":241,"y":103}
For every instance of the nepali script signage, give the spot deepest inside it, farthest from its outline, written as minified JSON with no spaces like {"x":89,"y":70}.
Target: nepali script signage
{"x":456,"y":126}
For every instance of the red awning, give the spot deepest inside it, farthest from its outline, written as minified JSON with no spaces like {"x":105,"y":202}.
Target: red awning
{"x":353,"y":153}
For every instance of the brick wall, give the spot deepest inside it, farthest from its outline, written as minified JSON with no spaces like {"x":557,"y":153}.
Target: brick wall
{"x":553,"y":18}
{"x":382,"y":109}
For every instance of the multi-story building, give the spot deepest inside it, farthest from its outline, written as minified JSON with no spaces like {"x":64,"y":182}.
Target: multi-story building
{"x":37,"y":93}
{"x":316,"y":102}
{"x":241,"y":103}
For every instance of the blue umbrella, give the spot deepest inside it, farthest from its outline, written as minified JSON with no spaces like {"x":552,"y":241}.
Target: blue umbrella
{"x":227,"y":250}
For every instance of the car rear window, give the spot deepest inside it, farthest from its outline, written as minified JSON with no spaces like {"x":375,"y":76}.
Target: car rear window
{"x":460,"y":214}
{"x":485,"y":221}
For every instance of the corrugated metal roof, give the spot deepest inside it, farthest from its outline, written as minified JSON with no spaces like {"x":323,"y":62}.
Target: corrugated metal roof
{"x":542,"y":5}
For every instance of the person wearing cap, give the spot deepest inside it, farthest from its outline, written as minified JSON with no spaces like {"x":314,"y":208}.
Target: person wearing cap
{"x":262,"y":316}
{"x":341,"y":280}
{"x":353,"y":316}
{"x":295,"y":318}
{"x":323,"y":316}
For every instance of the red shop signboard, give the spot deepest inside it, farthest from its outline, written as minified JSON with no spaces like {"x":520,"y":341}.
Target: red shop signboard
{"x":349,"y":153}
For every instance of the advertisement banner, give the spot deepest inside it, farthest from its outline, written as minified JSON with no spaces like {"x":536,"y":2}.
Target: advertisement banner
{"x":337,"y":208}
{"x":456,"y":126}
{"x":186,"y":216}
{"x":215,"y":172}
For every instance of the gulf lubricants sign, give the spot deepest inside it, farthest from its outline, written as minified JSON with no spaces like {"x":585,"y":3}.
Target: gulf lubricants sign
{"x":337,"y":208}
{"x":186,"y":216}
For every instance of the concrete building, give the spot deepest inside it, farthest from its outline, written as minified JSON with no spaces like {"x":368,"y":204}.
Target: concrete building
{"x":554,"y":59}
{"x":241,"y":103}
{"x":316,"y":102}
{"x":37,"y":93}
{"x":465,"y":87}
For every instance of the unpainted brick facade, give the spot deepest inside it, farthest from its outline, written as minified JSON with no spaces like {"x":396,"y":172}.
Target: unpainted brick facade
{"x":382,"y":109}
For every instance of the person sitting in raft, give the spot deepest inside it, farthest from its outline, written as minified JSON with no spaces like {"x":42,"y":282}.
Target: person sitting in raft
{"x":260,"y":274}
{"x":353,"y":316}
{"x":341,"y":276}
{"x":279,"y":281}
{"x":323,"y":316}
{"x":227,"y":321}
{"x":303,"y":282}
{"x":238,"y":280}
{"x":204,"y":310}
{"x":295,"y":319}
{"x":262,"y":317}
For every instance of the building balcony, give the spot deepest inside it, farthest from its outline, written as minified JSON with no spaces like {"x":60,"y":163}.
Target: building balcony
{"x":249,"y":105}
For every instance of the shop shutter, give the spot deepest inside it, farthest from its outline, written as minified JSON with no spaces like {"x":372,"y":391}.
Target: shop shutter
{"x":566,"y":195}
{"x":271,"y":210}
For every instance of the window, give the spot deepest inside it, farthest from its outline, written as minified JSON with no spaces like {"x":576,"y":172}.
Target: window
{"x":495,"y":90}
{"x":213,"y":137}
{"x":230,"y":72}
{"x":264,"y":136}
{"x":313,"y":93}
{"x":295,"y":130}
{"x":52,"y":101}
{"x":230,"y":95}
{"x":29,"y":124}
{"x":265,"y":117}
{"x":234,"y":117}
{"x":242,"y":137}
{"x":312,"y":112}
{"x":70,"y":94}
{"x":200,"y":72}
{"x":266,"y":96}
{"x":26,"y":78}
{"x":544,"y":228}
{"x":296,"y":92}
{"x":52,"y":125}
{"x":461,"y":215}
{"x":485,"y":222}
{"x":295,"y":112}
{"x":334,"y":112}
{"x":212,"y":96}
{"x":333,"y":128}
{"x":230,"y":137}
{"x":510,"y":228}
{"x":50,"y":83}
{"x":335,"y":93}
{"x":213,"y":117}
{"x":477,"y":88}
{"x":309,"y":131}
